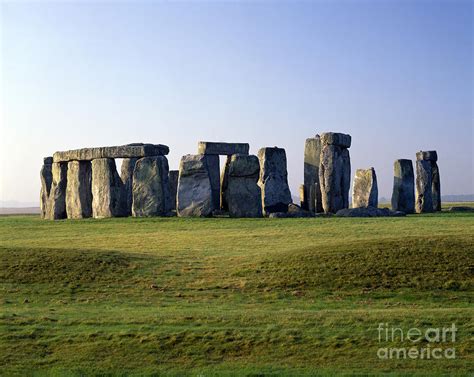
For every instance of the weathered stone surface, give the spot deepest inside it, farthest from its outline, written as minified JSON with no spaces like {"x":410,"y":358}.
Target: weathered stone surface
{"x":294,"y":212}
{"x":56,"y":208}
{"x":403,"y":195}
{"x":365,"y":191}
{"x":173,"y":180}
{"x":424,"y":198}
{"x":136,"y":150}
{"x":213,"y":167}
{"x":368,"y":212}
{"x":274,"y":180}
{"x":107,"y":189}
{"x":303,"y":199}
{"x":427,"y":156}
{"x":334,"y":178}
{"x":335,"y":138}
{"x":79,"y":190}
{"x":194,"y":187}
{"x":216,"y":148}
{"x":126,"y":175}
{"x":312,"y":157}
{"x":151,"y":188}
{"x":46,"y":176}
{"x":242,"y":191}
{"x":435,"y":186}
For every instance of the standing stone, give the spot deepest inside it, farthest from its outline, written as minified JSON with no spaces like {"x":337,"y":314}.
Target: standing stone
{"x":79,"y":190}
{"x":173,"y":180}
{"x":242,"y":191}
{"x":126,"y":174}
{"x":274,"y":180}
{"x":46,"y":176}
{"x":424,"y":199}
{"x":151,"y":188}
{"x":365,"y":192}
{"x":403,"y":196}
{"x":213,"y":167}
{"x":194,"y":187}
{"x":303,"y":198}
{"x":335,"y":171}
{"x":107,"y":189}
{"x":56,"y":208}
{"x":436,"y":186}
{"x":432,"y":157}
{"x":312,"y":155}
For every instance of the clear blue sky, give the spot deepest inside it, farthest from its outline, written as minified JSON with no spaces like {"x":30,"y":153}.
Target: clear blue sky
{"x":396,"y":75}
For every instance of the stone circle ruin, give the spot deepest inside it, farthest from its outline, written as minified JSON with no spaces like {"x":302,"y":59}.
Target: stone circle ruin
{"x":84,"y":183}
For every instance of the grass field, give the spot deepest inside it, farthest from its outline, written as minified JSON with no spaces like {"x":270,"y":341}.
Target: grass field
{"x":231,"y":296}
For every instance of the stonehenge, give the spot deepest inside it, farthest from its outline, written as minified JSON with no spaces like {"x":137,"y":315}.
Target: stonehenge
{"x":273,"y":180}
{"x":310,"y":193}
{"x":432,"y":158}
{"x":335,"y":171}
{"x":84,"y":183}
{"x":195,"y":196}
{"x":364,"y":191}
{"x":403,"y":195}
{"x":78,"y":190}
{"x":241,"y":190}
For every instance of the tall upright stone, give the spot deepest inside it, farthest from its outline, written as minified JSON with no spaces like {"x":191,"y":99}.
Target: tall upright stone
{"x":365,"y":191}
{"x":213,"y":167}
{"x":79,"y":190}
{"x":242,"y":192}
{"x":403,"y":195}
{"x":46,"y":176}
{"x":107,"y":189}
{"x":424,"y":198}
{"x":195,"y":195}
{"x":432,"y":157}
{"x":126,"y":175}
{"x":173,"y":180}
{"x":312,"y":189}
{"x":273,"y":180}
{"x":335,"y":171}
{"x":151,"y":188}
{"x":56,"y":208}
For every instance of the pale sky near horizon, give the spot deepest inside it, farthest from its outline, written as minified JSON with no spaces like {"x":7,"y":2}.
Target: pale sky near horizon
{"x":396,"y":75}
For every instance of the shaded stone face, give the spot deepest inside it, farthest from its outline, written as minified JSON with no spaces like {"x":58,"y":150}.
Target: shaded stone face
{"x":213,"y":168}
{"x":312,"y":191}
{"x":151,"y":190}
{"x":194,"y":187}
{"x":46,"y":176}
{"x":126,"y":175}
{"x":56,"y":208}
{"x":79,"y":190}
{"x":173,"y":179}
{"x":107,"y":189}
{"x":424,"y":198}
{"x":334,"y":178}
{"x":365,"y":192}
{"x":432,"y":157}
{"x":242,"y":191}
{"x":208,"y":147}
{"x":136,"y":150}
{"x":436,"y":186}
{"x":403,"y":195}
{"x":273,"y":180}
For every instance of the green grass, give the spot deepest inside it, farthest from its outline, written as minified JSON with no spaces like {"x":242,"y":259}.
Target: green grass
{"x":231,"y":296}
